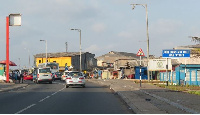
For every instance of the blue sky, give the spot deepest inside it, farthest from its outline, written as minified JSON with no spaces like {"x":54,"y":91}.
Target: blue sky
{"x":106,"y":25}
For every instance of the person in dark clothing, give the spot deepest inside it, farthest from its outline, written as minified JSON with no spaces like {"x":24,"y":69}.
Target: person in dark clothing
{"x":22,"y":77}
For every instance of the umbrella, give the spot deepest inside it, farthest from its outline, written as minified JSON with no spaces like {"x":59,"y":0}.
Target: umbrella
{"x":10,"y":63}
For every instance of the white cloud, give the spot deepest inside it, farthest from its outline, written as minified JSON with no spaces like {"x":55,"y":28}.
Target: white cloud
{"x":99,"y":27}
{"x":125,"y":34}
{"x":165,"y":27}
{"x":92,"y":48}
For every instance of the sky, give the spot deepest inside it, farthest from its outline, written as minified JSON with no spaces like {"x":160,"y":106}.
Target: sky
{"x":106,"y":25}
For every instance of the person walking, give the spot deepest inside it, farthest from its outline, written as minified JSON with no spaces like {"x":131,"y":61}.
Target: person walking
{"x":22,"y":78}
{"x":16,"y":78}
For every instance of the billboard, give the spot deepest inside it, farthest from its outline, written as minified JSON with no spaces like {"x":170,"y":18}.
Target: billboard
{"x":176,"y":53}
{"x":159,"y":64}
{"x":15,"y":20}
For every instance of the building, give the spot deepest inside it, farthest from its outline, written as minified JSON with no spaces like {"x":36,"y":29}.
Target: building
{"x":70,"y":59}
{"x":109,"y":58}
{"x":194,"y":54}
{"x":119,"y":64}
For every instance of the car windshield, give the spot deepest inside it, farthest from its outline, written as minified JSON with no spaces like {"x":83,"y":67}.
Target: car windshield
{"x":52,"y":65}
{"x":66,"y":73}
{"x":58,"y":73}
{"x":45,"y":70}
{"x":74,"y":74}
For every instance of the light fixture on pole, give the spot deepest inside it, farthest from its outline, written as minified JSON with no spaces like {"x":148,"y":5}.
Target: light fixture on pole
{"x":46,"y":48}
{"x":79,"y":30}
{"x":11,"y":20}
{"x":145,"y":6}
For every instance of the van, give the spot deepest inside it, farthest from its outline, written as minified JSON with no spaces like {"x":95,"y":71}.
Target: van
{"x":43,"y":75}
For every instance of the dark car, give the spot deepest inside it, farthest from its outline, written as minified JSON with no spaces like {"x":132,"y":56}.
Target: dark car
{"x":56,"y":76}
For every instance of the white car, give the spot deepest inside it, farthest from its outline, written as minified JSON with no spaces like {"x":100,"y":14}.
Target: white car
{"x":65,"y":73}
{"x":75,"y":79}
{"x":43,"y":75}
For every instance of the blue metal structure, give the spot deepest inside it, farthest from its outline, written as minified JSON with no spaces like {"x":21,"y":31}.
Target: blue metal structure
{"x":143,"y":72}
{"x":191,"y":77}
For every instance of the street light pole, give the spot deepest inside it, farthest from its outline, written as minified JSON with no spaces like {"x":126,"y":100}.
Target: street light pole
{"x":145,"y":6}
{"x":11,"y":20}
{"x":46,"y":48}
{"x":79,"y":30}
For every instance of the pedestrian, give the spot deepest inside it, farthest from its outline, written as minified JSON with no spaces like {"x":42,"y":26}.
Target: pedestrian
{"x":22,"y":78}
{"x":16,"y":76}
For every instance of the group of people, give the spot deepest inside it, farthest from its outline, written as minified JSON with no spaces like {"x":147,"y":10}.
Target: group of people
{"x":16,"y":76}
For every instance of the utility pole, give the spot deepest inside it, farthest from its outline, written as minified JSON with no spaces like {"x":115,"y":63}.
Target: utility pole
{"x":147,"y":33}
{"x":66,"y":46}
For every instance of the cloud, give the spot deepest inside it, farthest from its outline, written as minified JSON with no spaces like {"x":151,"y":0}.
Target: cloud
{"x":92,"y":48}
{"x":165,"y":27}
{"x":99,"y":50}
{"x":99,"y":27}
{"x":125,"y":34}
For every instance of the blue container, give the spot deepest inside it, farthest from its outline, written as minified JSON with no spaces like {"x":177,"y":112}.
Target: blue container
{"x":178,"y":76}
{"x":143,"y":72}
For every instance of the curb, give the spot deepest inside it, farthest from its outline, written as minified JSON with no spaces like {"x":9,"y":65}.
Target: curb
{"x":13,"y":87}
{"x":138,"y":106}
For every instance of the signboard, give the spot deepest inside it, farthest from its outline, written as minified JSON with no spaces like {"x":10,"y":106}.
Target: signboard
{"x":1,"y":69}
{"x":15,"y":20}
{"x":176,"y":53}
{"x":140,"y":53}
{"x":159,"y":64}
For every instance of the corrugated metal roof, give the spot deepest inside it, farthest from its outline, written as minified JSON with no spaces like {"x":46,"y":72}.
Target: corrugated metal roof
{"x":113,"y":55}
{"x":59,"y":54}
{"x":119,"y":54}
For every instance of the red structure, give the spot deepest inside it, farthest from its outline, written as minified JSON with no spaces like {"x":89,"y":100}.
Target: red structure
{"x":7,"y":49}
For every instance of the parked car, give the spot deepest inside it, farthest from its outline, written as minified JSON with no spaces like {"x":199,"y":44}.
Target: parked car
{"x":65,"y":73}
{"x":43,"y":75}
{"x":75,"y":79}
{"x":56,"y":76}
{"x":28,"y":77}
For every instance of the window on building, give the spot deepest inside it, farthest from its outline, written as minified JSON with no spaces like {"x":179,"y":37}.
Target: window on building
{"x":54,"y":61}
{"x":39,"y":61}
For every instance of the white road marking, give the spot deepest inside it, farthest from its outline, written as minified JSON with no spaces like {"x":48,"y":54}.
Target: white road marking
{"x":44,"y":98}
{"x":28,"y":107}
{"x":25,"y":109}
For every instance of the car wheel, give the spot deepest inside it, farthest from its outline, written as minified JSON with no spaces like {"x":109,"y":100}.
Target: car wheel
{"x":83,"y":86}
{"x":67,"y":86}
{"x":50,"y":82}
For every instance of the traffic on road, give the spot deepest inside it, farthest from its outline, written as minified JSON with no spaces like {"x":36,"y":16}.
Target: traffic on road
{"x":54,"y":98}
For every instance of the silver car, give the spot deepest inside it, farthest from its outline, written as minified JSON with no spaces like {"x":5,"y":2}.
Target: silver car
{"x":43,"y":75}
{"x":75,"y":79}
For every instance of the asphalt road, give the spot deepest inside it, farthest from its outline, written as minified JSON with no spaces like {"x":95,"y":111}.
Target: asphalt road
{"x":56,"y":99}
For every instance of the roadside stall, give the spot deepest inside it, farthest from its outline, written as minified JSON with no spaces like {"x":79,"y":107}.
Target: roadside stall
{"x":2,"y":70}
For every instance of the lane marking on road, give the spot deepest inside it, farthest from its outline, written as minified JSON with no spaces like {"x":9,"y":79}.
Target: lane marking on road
{"x":44,"y":98}
{"x":28,"y":107}
{"x":25,"y":109}
{"x":54,"y":93}
{"x":62,"y":89}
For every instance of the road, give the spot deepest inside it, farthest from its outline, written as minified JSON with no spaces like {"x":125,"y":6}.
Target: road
{"x":56,"y":99}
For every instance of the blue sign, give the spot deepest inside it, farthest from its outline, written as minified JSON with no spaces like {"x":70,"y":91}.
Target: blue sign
{"x":176,"y":53}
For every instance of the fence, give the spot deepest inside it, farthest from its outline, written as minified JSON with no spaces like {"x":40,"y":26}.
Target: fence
{"x":178,"y":77}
